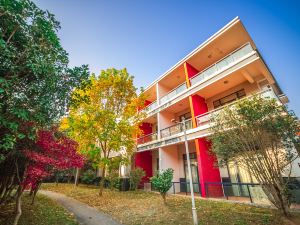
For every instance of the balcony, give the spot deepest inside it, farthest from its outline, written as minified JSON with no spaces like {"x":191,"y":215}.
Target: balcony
{"x":204,"y":119}
{"x":222,"y":64}
{"x":147,"y":138}
{"x":151,"y":107}
{"x":175,"y":129}
{"x":173,"y":93}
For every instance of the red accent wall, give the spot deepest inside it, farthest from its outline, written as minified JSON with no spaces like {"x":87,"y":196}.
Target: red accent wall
{"x":208,"y":171}
{"x":199,"y":105}
{"x":191,"y":71}
{"x":144,"y":161}
{"x":146,"y":128}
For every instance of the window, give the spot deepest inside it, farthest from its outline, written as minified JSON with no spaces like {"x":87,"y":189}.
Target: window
{"x":229,"y":98}
{"x":186,"y":116}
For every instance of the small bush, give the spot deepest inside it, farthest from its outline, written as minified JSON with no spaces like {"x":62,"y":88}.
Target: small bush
{"x":88,"y":176}
{"x":136,"y":176}
{"x":114,"y":179}
{"x":162,"y":182}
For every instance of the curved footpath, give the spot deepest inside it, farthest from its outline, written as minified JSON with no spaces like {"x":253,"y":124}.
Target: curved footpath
{"x":83,"y":213}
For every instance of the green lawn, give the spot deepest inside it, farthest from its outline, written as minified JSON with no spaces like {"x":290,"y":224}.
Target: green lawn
{"x":43,"y":212}
{"x":140,"y":207}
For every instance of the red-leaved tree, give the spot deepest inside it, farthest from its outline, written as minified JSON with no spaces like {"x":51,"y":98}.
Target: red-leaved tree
{"x":54,"y":152}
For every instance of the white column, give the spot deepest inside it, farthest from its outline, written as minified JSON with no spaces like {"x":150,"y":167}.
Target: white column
{"x":157,"y":93}
{"x":160,"y":162}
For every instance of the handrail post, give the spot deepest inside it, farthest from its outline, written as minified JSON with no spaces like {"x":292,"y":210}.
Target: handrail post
{"x":251,"y":200}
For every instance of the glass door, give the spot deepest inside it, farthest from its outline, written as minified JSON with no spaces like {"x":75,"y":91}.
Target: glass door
{"x":194,"y":170}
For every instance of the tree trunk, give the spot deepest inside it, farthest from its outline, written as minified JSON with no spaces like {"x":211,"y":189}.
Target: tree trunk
{"x":18,"y":205}
{"x":77,"y":176}
{"x":56,"y":179}
{"x":164,"y":198}
{"x":35,"y":192}
{"x":102,"y":180}
{"x":283,"y":203}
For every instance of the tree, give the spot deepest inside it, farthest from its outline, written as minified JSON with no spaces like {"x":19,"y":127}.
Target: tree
{"x":35,"y":85}
{"x":162,"y":182}
{"x":52,"y":152}
{"x":35,"y":82}
{"x":260,"y":135}
{"x":103,"y":118}
{"x":135,"y":177}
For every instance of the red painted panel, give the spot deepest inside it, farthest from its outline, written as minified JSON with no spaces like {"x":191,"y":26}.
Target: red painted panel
{"x":199,"y":105}
{"x":208,"y":170}
{"x":144,"y":161}
{"x":191,"y":71}
{"x":146,"y":128}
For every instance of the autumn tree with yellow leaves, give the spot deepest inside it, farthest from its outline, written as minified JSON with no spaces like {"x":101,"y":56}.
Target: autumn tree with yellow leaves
{"x":104,"y":119}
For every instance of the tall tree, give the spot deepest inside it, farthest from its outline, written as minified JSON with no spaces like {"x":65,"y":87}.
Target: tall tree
{"x":261,"y":136}
{"x":35,"y":84}
{"x":103,"y":118}
{"x":35,"y":80}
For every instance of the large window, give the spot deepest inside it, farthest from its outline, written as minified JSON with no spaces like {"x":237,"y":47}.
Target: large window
{"x":229,"y":98}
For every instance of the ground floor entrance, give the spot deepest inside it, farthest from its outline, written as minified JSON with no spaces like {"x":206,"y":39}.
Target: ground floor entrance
{"x":194,"y":172}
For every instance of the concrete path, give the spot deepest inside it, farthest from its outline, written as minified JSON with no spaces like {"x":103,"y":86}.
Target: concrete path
{"x":84,"y":214}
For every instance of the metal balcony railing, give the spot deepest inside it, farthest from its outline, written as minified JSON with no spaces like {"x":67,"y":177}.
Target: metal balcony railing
{"x":222,"y":64}
{"x":205,"y":118}
{"x":147,"y":138}
{"x":175,"y":129}
{"x":173,"y":93}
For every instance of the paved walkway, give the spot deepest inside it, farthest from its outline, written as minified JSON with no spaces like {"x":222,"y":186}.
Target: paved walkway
{"x":84,"y":214}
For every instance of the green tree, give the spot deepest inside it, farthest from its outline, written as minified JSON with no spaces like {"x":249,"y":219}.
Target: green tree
{"x":260,"y":135}
{"x":103,"y":118}
{"x":135,"y":177}
{"x":35,"y":84}
{"x":162,"y":182}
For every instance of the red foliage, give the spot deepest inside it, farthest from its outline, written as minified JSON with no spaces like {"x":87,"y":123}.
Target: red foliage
{"x":53,"y":153}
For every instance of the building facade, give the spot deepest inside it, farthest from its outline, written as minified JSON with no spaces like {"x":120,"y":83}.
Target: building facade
{"x":225,"y":68}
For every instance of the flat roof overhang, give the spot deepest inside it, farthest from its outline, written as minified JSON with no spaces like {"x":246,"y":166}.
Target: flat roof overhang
{"x":226,"y":40}
{"x":252,"y":72}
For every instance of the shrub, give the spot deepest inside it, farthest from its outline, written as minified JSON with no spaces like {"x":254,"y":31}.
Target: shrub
{"x":88,"y":176}
{"x":136,"y":176}
{"x":162,"y":182}
{"x":113,"y":179}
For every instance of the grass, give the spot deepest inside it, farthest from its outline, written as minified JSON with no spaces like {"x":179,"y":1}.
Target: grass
{"x":43,"y":212}
{"x":140,"y":207}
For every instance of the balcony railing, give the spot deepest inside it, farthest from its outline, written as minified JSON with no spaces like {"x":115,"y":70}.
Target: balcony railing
{"x":205,"y":118}
{"x":147,"y":138}
{"x":175,"y":129}
{"x":173,"y":93}
{"x":150,"y":107}
{"x":221,"y":64}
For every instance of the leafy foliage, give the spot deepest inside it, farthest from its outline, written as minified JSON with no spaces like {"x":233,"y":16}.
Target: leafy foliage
{"x":135,"y":177}
{"x":35,"y":90}
{"x":113,"y":179}
{"x":35,"y":82}
{"x":260,"y":135}
{"x":103,"y":117}
{"x":162,"y":182}
{"x":88,"y":176}
{"x":54,"y":152}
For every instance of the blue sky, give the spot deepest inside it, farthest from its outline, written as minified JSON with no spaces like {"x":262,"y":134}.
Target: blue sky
{"x":149,"y":37}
